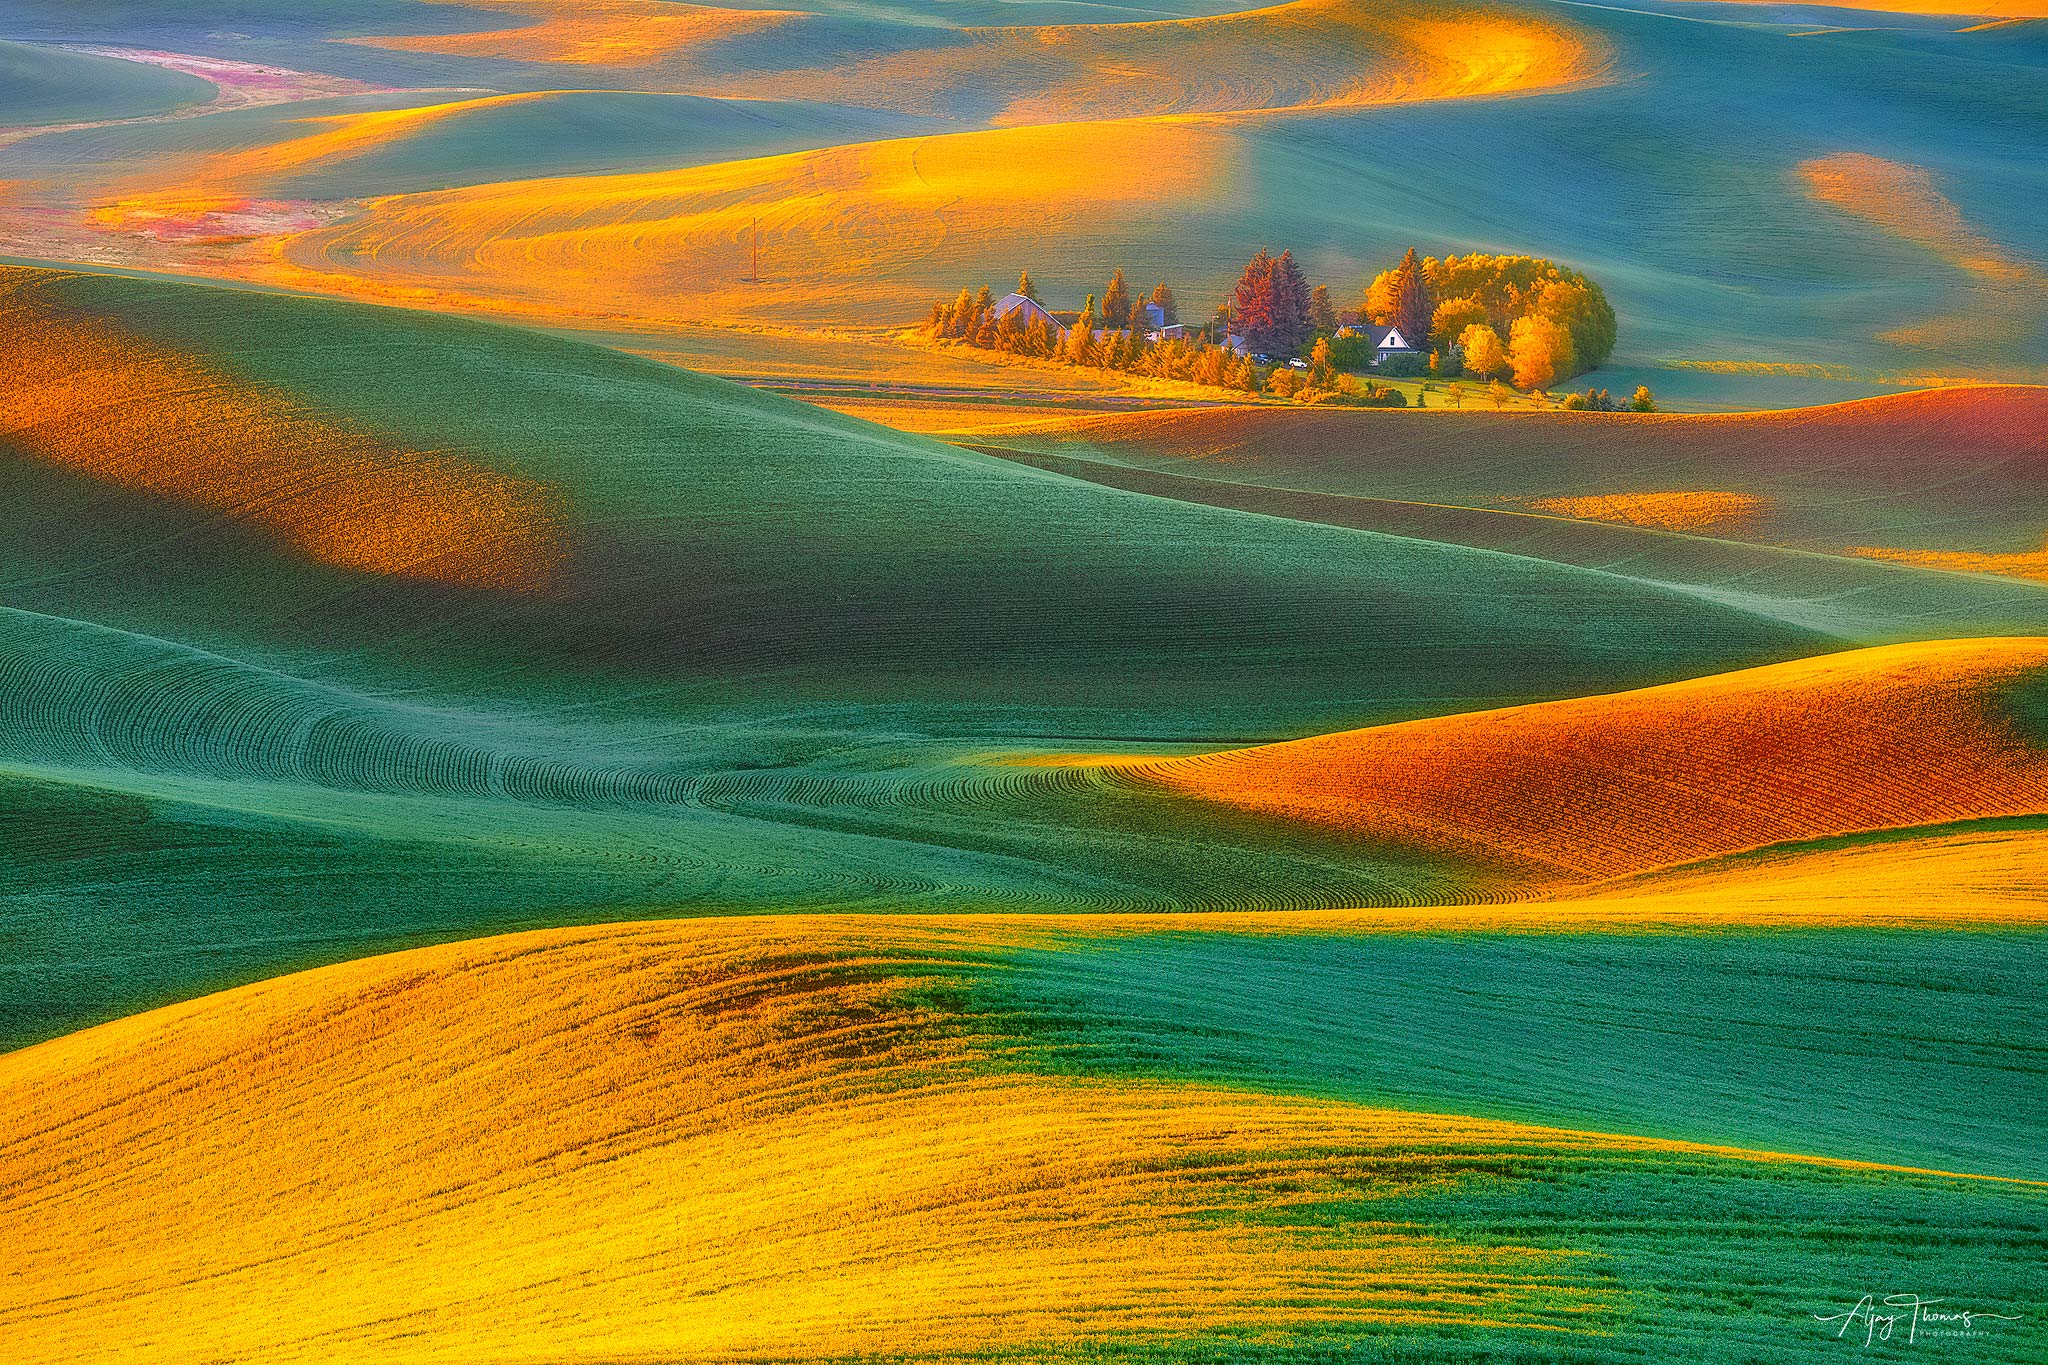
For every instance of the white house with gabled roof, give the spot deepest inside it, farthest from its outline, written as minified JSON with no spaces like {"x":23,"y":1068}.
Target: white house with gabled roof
{"x":1388,"y":341}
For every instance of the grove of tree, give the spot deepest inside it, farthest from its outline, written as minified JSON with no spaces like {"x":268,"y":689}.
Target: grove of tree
{"x":1491,"y":318}
{"x":1570,"y":325}
{"x":1113,"y":335}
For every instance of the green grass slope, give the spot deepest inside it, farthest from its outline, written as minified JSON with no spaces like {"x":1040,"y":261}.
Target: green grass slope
{"x":1963,"y":470}
{"x":40,"y":85}
{"x":1712,"y":1038}
{"x":769,"y":651}
{"x":587,"y":132}
{"x":800,"y":1138}
{"x":768,"y":640}
{"x":708,"y":535}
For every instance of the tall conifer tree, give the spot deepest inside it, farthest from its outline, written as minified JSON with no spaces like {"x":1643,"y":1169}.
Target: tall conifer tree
{"x":1411,"y":300}
{"x":1116,"y":300}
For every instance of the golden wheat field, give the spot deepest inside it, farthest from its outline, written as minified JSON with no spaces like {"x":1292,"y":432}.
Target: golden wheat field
{"x":753,"y":1139}
{"x":889,"y":682}
{"x":1896,"y":737}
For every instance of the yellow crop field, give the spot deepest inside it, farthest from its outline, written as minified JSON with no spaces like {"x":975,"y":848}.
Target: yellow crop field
{"x":604,"y":33}
{"x":188,"y":189}
{"x":1671,"y":511}
{"x":1302,"y":55}
{"x":841,"y":227}
{"x":1023,"y":682}
{"x":852,"y":231}
{"x":338,"y":495}
{"x":756,"y":1138}
{"x":1580,"y":790}
{"x":2020,"y":564}
{"x":763,"y":1138}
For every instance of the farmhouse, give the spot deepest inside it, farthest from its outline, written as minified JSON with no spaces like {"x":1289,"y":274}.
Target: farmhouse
{"x":1388,"y":341}
{"x":1031,"y":312}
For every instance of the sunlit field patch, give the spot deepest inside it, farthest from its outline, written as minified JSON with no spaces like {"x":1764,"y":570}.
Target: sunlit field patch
{"x":1304,"y":55}
{"x":849,"y":227}
{"x":1681,"y":511}
{"x":193,"y":433}
{"x":623,"y":33}
{"x":1905,"y":735}
{"x":2022,"y":564}
{"x":1905,"y":201}
{"x":816,"y":1139}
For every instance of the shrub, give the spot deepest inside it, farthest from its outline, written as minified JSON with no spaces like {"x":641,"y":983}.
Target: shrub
{"x":1350,"y":353}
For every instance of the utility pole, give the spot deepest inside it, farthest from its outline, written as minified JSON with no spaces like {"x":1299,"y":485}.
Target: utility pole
{"x":755,"y":277}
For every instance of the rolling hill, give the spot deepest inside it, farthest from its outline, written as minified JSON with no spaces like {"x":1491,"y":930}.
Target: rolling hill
{"x":399,"y":142}
{"x":44,"y":85}
{"x":488,"y":630}
{"x":1749,"y":152}
{"x":1902,"y":736}
{"x":441,"y":608}
{"x":513,"y":851}
{"x":1947,"y":470}
{"x":951,"y":1139}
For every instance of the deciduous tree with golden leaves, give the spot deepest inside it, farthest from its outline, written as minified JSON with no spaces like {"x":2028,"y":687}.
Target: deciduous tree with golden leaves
{"x":1540,"y":352}
{"x":1485,"y":356}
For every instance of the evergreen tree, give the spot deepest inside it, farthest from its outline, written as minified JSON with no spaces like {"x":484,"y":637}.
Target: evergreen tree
{"x":1027,"y":289}
{"x":1163,"y":296}
{"x":1411,"y":300}
{"x":1251,"y":302}
{"x":961,"y":317}
{"x":1293,"y":316}
{"x":1321,"y":311}
{"x":1270,"y":306}
{"x":1081,"y":340}
{"x":1116,"y":299}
